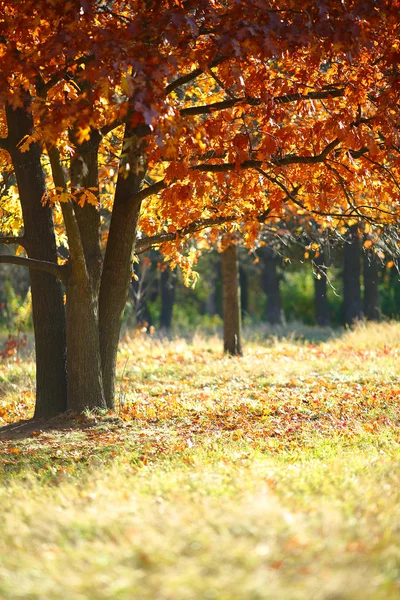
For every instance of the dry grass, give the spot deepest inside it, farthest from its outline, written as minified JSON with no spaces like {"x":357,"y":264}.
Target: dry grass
{"x":273,"y":476}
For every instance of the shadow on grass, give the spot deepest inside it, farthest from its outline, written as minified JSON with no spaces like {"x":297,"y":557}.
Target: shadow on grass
{"x":66,"y":422}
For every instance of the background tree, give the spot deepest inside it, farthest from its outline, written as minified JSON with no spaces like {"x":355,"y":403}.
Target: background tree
{"x":371,"y":267}
{"x":231,"y":301}
{"x":321,"y":289}
{"x":270,"y":282}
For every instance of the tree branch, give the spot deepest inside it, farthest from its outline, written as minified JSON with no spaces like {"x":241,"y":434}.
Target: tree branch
{"x":111,"y":126}
{"x":224,"y":104}
{"x":146,"y":243}
{"x":192,"y":75}
{"x":289,"y":159}
{"x":59,"y":271}
{"x":150,"y":190}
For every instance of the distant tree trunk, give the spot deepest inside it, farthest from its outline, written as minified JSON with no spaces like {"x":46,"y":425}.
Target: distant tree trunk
{"x":351,"y":277}
{"x":244,"y":291}
{"x":48,"y":311}
{"x":371,"y":291}
{"x":211,"y":302}
{"x":231,"y":301}
{"x":139,"y":292}
{"x":270,"y":282}
{"x":320,"y":290}
{"x":168,"y":285}
{"x":213,"y":305}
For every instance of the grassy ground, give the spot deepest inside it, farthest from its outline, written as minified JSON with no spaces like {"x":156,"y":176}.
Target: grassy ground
{"x":274,"y":476}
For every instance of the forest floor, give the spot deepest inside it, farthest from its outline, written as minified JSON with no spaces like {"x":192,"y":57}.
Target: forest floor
{"x":272,"y":476}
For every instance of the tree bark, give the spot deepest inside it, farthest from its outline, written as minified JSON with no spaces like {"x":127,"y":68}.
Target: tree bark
{"x":168,"y":285}
{"x":371,"y":290}
{"x":351,"y":277}
{"x":117,"y":270}
{"x":270,"y":281}
{"x":48,"y":311}
{"x":85,"y":380}
{"x":231,"y":302}
{"x":320,"y":291}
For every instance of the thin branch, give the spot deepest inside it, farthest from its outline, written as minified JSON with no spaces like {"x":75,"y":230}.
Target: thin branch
{"x":146,"y":243}
{"x":59,"y":271}
{"x":291,"y":195}
{"x":192,"y":75}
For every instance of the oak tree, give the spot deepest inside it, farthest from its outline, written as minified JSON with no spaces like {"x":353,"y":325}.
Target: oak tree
{"x":178,"y":117}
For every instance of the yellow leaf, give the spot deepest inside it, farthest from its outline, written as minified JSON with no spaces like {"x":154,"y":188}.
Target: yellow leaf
{"x":83,"y":134}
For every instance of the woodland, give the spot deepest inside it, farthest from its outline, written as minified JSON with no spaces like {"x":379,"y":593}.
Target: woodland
{"x":245,"y":155}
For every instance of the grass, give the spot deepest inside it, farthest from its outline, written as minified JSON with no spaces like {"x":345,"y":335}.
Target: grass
{"x":273,"y":476}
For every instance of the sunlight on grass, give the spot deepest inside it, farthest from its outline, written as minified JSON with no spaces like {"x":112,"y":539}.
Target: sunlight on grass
{"x":271,"y":476}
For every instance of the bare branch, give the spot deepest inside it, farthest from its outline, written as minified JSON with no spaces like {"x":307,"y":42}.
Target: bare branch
{"x":59,"y":271}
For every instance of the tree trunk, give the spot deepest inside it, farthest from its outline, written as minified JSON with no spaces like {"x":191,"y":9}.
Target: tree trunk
{"x":48,"y":311}
{"x":231,"y":302}
{"x":244,"y":291}
{"x":371,"y":291}
{"x":320,"y":291}
{"x":270,"y":281}
{"x":168,"y":285}
{"x":351,"y":277}
{"x":85,"y":381}
{"x":117,"y":270}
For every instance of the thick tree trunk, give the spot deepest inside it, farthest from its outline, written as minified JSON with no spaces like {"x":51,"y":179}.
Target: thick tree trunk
{"x":85,"y":380}
{"x":270,"y":281}
{"x":320,"y":291}
{"x":117,"y":270}
{"x":371,"y":290}
{"x":47,"y":295}
{"x":168,"y":285}
{"x":231,"y":301}
{"x":351,"y":277}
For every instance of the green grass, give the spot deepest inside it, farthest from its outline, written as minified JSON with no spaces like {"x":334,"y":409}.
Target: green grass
{"x":274,"y":476}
